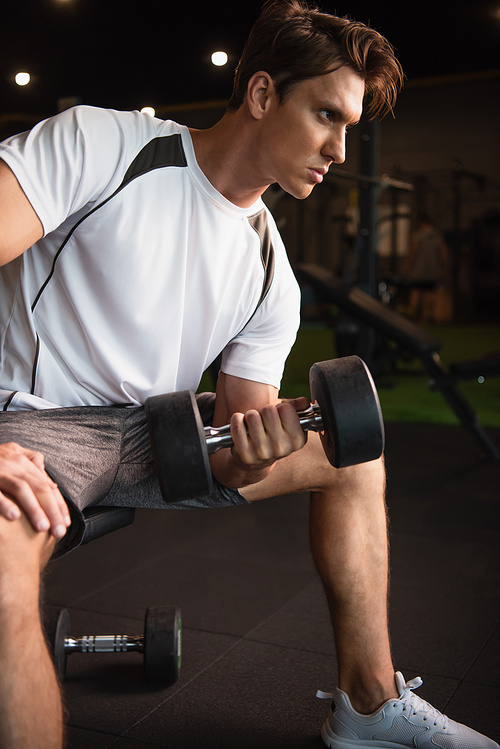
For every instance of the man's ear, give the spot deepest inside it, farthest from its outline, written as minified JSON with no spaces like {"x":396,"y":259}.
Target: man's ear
{"x":260,"y":94}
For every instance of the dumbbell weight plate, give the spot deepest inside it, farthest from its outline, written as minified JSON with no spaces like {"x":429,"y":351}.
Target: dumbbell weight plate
{"x":57,"y":625}
{"x":350,"y":407}
{"x":177,"y":431}
{"x":162,"y":644}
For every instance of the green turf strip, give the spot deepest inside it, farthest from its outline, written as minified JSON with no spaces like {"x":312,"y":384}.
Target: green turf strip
{"x":404,"y":392}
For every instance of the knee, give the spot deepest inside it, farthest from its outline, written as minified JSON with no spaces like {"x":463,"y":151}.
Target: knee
{"x":363,"y":477}
{"x":364,"y":474}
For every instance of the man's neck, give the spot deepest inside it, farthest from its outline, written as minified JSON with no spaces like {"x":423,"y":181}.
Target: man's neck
{"x":226,"y":154}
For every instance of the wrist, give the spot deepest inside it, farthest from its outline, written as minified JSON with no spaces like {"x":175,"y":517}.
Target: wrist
{"x":230,"y":471}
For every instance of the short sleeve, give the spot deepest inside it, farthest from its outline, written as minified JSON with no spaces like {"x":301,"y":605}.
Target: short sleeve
{"x":260,"y":351}
{"x":66,"y":162}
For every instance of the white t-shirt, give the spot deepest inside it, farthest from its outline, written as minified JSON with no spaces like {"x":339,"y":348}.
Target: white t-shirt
{"x":145,"y":272}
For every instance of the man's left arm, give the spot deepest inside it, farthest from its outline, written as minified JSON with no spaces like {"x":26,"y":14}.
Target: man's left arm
{"x":263,"y":429}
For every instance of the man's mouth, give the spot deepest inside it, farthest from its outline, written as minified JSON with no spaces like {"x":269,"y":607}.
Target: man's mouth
{"x":317,"y":175}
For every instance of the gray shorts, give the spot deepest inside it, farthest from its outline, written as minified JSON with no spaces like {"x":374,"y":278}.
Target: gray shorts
{"x":100,"y":455}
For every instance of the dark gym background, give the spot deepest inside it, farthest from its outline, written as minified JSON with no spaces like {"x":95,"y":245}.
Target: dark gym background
{"x":257,"y":643}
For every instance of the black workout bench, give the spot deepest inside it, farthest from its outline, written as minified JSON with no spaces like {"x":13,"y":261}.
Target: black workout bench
{"x":408,"y":337}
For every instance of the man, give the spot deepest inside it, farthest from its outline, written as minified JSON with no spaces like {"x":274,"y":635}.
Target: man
{"x":133,"y":254}
{"x":423,"y":269}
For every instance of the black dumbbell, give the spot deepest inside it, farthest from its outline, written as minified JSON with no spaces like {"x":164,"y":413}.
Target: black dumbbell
{"x":160,"y":644}
{"x":345,"y":411}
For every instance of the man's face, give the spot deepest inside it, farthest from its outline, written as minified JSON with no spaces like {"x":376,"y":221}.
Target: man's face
{"x":306,"y":134}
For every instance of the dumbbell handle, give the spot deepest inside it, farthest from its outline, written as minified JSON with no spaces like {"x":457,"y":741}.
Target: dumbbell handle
{"x":311,"y":420}
{"x":103,"y":644}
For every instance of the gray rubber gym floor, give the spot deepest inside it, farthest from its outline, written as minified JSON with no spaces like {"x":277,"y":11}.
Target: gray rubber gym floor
{"x":257,"y":641}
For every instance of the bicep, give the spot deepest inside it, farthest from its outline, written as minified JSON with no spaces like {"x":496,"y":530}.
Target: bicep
{"x":236,"y":395}
{"x":20,"y":226}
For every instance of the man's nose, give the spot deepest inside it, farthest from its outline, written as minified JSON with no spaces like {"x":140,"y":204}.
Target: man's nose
{"x":334,"y":149}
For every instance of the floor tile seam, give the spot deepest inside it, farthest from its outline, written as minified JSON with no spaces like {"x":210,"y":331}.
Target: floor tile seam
{"x":406,"y":669}
{"x":100,"y":732}
{"x":213,"y":632}
{"x":189,"y":554}
{"x":103,"y":613}
{"x":473,"y":661}
{"x":459,"y":680}
{"x":291,"y":647}
{"x":247,"y":638}
{"x":225,"y":525}
{"x":431,"y":495}
{"x":469,"y":593}
{"x":282,"y":607}
{"x":203,"y":557}
{"x":144,"y":743}
{"x":479,"y":683}
{"x":181,"y":689}
{"x":493,"y":541}
{"x":403,"y":534}
{"x":118,"y":579}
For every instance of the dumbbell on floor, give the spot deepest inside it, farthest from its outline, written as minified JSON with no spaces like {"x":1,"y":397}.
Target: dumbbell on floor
{"x":345,"y":411}
{"x":160,"y":644}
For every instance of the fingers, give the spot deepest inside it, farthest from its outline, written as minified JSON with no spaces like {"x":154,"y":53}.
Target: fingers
{"x":300,"y":404}
{"x":24,"y":485}
{"x":9,"y":509}
{"x":262,"y":437}
{"x":36,"y":458}
{"x":44,"y":507}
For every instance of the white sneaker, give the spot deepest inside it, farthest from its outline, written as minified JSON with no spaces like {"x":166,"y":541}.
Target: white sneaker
{"x":400,"y":723}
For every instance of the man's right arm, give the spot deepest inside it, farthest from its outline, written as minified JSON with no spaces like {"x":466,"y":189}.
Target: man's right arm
{"x":20,"y":226}
{"x":24,"y":484}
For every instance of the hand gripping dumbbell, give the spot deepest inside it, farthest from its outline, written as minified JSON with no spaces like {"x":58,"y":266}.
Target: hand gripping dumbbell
{"x":160,"y":644}
{"x":345,"y":411}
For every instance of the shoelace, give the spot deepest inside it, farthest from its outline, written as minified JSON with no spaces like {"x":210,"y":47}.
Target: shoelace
{"x":324,"y":695}
{"x":414,"y":702}
{"x":418,"y":705}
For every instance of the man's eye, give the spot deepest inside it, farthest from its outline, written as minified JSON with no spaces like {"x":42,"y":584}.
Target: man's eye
{"x":327,"y":114}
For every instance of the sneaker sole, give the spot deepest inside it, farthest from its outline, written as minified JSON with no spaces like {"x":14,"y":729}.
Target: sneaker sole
{"x":333,"y":741}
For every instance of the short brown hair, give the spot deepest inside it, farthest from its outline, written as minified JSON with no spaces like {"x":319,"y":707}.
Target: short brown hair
{"x":293,"y":42}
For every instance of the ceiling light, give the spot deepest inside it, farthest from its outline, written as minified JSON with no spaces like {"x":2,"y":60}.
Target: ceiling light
{"x":22,"y":79}
{"x":219,"y":58}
